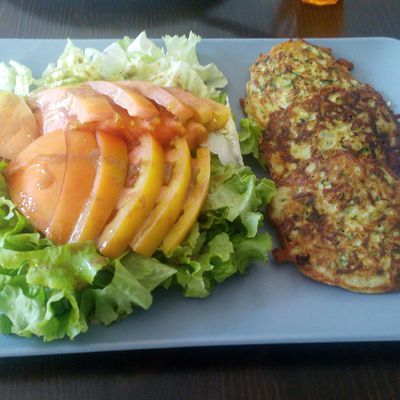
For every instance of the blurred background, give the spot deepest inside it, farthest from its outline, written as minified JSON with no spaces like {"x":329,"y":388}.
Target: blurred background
{"x":209,"y":18}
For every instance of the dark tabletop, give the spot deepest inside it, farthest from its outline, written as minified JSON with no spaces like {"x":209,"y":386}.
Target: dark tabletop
{"x":328,"y":371}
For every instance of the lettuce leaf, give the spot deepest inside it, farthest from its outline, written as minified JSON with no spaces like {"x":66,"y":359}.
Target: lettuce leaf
{"x":250,"y":134}
{"x":55,"y":291}
{"x":16,"y":78}
{"x":174,"y":65}
{"x":27,"y":309}
{"x":135,"y":277}
{"x":69,"y":267}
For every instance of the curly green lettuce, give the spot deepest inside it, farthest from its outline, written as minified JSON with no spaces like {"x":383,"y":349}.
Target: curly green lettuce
{"x":250,"y":135}
{"x":226,"y":238}
{"x":55,"y":291}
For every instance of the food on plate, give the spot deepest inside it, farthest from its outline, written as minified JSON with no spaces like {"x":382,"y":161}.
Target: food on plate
{"x":78,"y":180}
{"x":332,"y":145}
{"x":162,"y":97}
{"x":212,"y":115}
{"x":357,"y":120}
{"x":175,"y":125}
{"x":35,"y":178}
{"x":137,"y":198}
{"x":58,"y":108}
{"x":170,"y":200}
{"x":201,"y":170}
{"x":110,"y":173}
{"x":132,"y":180}
{"x":18,"y":126}
{"x":292,"y":71}
{"x":131,"y":100}
{"x":338,"y":221}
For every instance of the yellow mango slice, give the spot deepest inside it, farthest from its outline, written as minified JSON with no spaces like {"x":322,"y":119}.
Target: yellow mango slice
{"x":107,"y":187}
{"x":208,"y":112}
{"x":80,"y":171}
{"x":220,"y":118}
{"x":137,"y":201}
{"x":194,"y":201}
{"x":202,"y":109}
{"x":169,"y":203}
{"x":161,"y":97}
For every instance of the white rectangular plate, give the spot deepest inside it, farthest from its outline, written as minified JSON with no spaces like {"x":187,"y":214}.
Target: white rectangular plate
{"x":272,"y":304}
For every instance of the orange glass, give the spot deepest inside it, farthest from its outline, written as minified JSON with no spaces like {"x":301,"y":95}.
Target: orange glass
{"x":320,"y":2}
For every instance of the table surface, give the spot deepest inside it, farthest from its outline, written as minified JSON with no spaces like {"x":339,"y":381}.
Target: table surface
{"x":324,"y":371}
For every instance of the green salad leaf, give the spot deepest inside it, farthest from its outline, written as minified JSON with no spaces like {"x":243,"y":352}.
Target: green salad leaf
{"x":27,"y":309}
{"x":225,"y":239}
{"x":134,"y":278}
{"x":55,"y":291}
{"x":250,"y":134}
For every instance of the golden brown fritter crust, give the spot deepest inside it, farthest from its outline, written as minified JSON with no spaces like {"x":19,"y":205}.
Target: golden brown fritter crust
{"x":292,"y":70}
{"x":338,"y":220}
{"x":357,"y":120}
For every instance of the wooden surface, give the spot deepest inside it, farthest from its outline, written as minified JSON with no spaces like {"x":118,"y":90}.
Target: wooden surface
{"x":321,"y":372}
{"x":209,"y":18}
{"x":332,"y":371}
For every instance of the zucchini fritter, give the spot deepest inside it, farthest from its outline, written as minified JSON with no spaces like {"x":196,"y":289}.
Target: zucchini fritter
{"x":292,"y":70}
{"x":332,"y":144}
{"x":357,"y":120}
{"x":338,"y":220}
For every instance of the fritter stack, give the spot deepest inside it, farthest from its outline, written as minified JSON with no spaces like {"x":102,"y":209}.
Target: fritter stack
{"x":332,"y":145}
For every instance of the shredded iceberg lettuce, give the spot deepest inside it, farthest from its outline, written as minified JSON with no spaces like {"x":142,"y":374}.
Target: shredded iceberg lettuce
{"x":175,"y":64}
{"x":226,"y":237}
{"x":16,"y":78}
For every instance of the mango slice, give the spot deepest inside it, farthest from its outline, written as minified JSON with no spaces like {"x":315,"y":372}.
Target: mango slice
{"x":107,"y":187}
{"x":169,"y":202}
{"x":136,"y":202}
{"x":162,"y":97}
{"x":80,"y":171}
{"x":202,"y":109}
{"x":194,"y":202}
{"x":35,"y":178}
{"x":135,"y":103}
{"x":63,"y":107}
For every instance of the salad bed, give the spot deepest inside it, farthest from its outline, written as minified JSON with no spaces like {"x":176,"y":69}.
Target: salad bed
{"x":55,"y":291}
